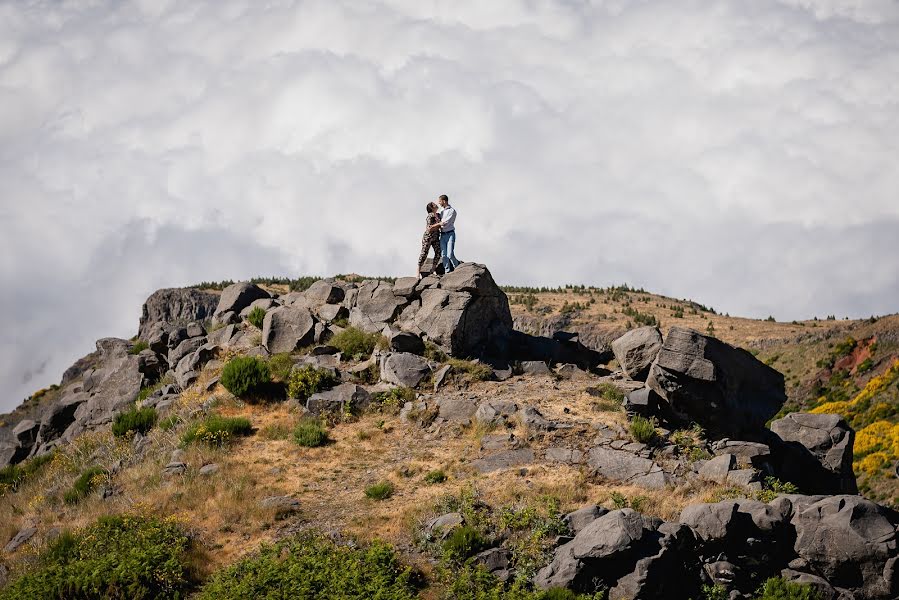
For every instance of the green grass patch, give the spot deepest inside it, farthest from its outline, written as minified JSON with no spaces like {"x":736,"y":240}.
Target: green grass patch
{"x":355,"y":343}
{"x":609,"y":397}
{"x":309,"y":433}
{"x":393,"y":400}
{"x":309,"y":567}
{"x":140,"y":558}
{"x":280,"y":366}
{"x":216,"y":430}
{"x":138,"y":347}
{"x":13,"y":476}
{"x":434,"y":477}
{"x":134,"y":420}
{"x":86,"y":483}
{"x":642,"y":429}
{"x":379,"y":491}
{"x":777,"y":588}
{"x":256,"y":317}
{"x":473,"y":371}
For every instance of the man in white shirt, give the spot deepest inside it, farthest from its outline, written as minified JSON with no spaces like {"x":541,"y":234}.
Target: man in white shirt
{"x":447,"y":226}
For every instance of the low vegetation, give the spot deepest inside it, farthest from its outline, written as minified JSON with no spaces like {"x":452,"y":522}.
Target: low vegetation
{"x":134,"y":420}
{"x":392,"y":401}
{"x":138,"y":347}
{"x":245,"y":375}
{"x":642,"y":429}
{"x":355,"y":343}
{"x":379,"y":491}
{"x":122,"y":556}
{"x":256,"y":317}
{"x":89,"y":480}
{"x":216,"y":430}
{"x":609,"y":397}
{"x":471,"y":370}
{"x":310,"y":433}
{"x":12,"y":476}
{"x":311,"y":566}
{"x":307,"y":380}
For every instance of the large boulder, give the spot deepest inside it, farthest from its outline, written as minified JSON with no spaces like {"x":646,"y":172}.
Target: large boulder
{"x":375,"y":306}
{"x":346,"y":397}
{"x":237,"y":297}
{"x":636,"y":350}
{"x":467,"y":315}
{"x":725,"y":389}
{"x":404,"y":369}
{"x":623,"y":466}
{"x":817,"y":453}
{"x":286,"y":328}
{"x":324,"y":292}
{"x":851,"y":542}
{"x":176,"y":306}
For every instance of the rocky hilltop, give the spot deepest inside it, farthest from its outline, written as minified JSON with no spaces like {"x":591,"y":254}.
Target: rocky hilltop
{"x":496,"y":453}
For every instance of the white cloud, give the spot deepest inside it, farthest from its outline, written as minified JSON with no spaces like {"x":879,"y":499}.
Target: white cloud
{"x":741,"y":153}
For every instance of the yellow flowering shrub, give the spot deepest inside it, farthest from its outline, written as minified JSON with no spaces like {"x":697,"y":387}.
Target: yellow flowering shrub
{"x":848,"y":409}
{"x":873,"y":463}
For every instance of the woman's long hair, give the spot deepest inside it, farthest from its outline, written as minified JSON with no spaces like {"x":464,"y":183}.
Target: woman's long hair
{"x":431,"y":207}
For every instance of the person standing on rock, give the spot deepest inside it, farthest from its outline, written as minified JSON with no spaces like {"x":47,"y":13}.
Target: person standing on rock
{"x":431,"y":239}
{"x":447,"y":227}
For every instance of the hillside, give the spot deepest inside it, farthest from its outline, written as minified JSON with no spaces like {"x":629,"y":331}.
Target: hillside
{"x":353,"y":410}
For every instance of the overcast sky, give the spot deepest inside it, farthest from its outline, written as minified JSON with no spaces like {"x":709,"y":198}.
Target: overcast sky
{"x":740,"y":153}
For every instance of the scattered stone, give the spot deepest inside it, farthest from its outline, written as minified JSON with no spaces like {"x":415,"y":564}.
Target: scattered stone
{"x":534,"y":419}
{"x":175,"y":307}
{"x":444,"y":524}
{"x":20,"y":538}
{"x":209,"y":469}
{"x":495,"y":412}
{"x":282,"y":505}
{"x":346,"y":397}
{"x":440,"y":376}
{"x":620,"y":465}
{"x":743,"y":477}
{"x":717,"y":469}
{"x":576,"y":521}
{"x":175,"y":468}
{"x":324,"y":292}
{"x":502,"y":374}
{"x":498,"y":441}
{"x":404,"y":369}
{"x":570,"y":371}
{"x":504,"y":460}
{"x":534,"y":367}
{"x":636,"y":350}
{"x":566,"y":456}
{"x":817,"y":455}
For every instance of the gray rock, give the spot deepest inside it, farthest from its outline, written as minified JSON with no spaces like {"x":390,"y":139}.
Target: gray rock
{"x":195,"y":330}
{"x":324,"y":292}
{"x":175,"y":468}
{"x":375,"y":302}
{"x":405,"y":286}
{"x":265,"y":304}
{"x":643,"y":402}
{"x":282,"y":505}
{"x":25,"y":433}
{"x":611,"y":534}
{"x":502,"y":374}
{"x":440,"y":376}
{"x":493,"y":559}
{"x":576,"y":521}
{"x":20,"y":538}
{"x":620,"y":465}
{"x":566,"y":456}
{"x":332,"y":312}
{"x":718,"y":468}
{"x":636,"y":350}
{"x":188,"y":346}
{"x":723,"y":388}
{"x":755,"y":454}
{"x":403,"y":341}
{"x":404,"y":369}
{"x":347,"y":397}
{"x":534,"y":419}
{"x":222,"y":336}
{"x":237,"y":297}
{"x":504,"y":460}
{"x":851,"y":542}
{"x":209,"y":469}
{"x":444,"y":524}
{"x":495,"y":412}
{"x":817,"y":453}
{"x":743,"y":477}
{"x":498,"y":441}
{"x":287,"y":328}
{"x":177,"y":307}
{"x":570,"y":371}
{"x":534,"y":367}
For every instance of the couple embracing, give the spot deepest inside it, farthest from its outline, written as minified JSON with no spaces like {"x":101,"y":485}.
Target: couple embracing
{"x":440,"y":234}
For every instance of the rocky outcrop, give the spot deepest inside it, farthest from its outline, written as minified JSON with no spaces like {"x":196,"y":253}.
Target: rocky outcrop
{"x":816,"y":453}
{"x":286,"y":328}
{"x":177,"y":307}
{"x":404,"y":369}
{"x":725,"y":389}
{"x":236,"y":297}
{"x":636,"y":350}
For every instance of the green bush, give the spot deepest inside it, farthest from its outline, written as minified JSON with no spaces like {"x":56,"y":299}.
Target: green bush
{"x":307,"y":380}
{"x":463,"y":543}
{"x":169,"y":423}
{"x":436,"y":476}
{"x":138,"y":347}
{"x":473,"y":371}
{"x":393,"y":400}
{"x":119,"y":557}
{"x":84,"y":485}
{"x":778,"y":588}
{"x":256,"y":317}
{"x":310,"y":567}
{"x":245,"y":375}
{"x":642,"y":429}
{"x":12,"y":476}
{"x":475,"y":583}
{"x":610,"y":396}
{"x":280,"y":366}
{"x":379,"y":491}
{"x":310,"y":433}
{"x":355,"y":343}
{"x":134,"y":420}
{"x":773,"y":488}
{"x":217,"y":430}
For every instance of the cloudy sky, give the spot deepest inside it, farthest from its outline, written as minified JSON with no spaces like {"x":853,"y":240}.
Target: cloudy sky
{"x":743,"y":154}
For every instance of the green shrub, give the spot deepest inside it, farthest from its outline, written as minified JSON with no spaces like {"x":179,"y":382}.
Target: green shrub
{"x":119,"y":557}
{"x":393,"y":400}
{"x":777,"y":588}
{"x":642,"y":429}
{"x":463,"y":543}
{"x":245,"y":375}
{"x":169,"y":423}
{"x":134,"y":420}
{"x":714,"y":592}
{"x":865,"y":366}
{"x":138,"y":347}
{"x":309,"y":567}
{"x":256,"y":317}
{"x":85,"y":484}
{"x":610,"y":396}
{"x":12,"y":476}
{"x":280,"y":366}
{"x":310,"y":433}
{"x":773,"y":488}
{"x":307,"y":380}
{"x":433,"y":352}
{"x":217,"y":430}
{"x":379,"y":491}
{"x":436,"y":476}
{"x":146,"y":392}
{"x":355,"y":343}
{"x":475,"y":583}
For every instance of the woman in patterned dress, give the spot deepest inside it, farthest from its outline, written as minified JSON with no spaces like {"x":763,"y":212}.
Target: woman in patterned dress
{"x":430,"y":239}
